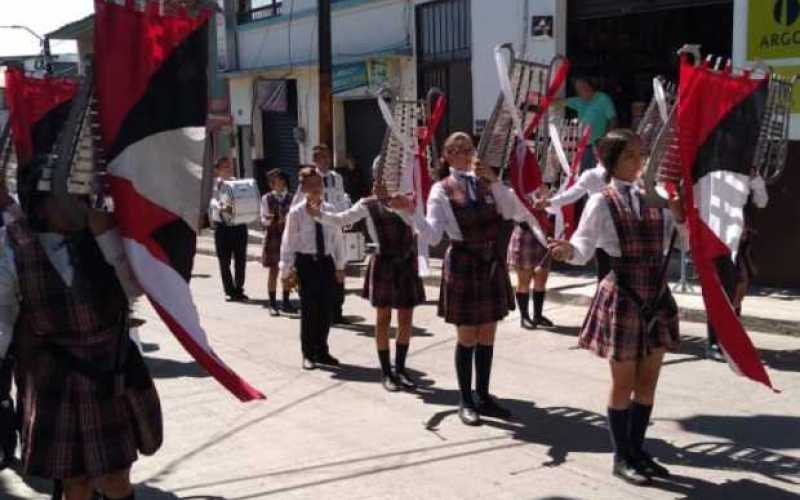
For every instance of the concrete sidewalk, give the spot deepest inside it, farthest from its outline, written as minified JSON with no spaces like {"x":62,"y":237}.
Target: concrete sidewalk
{"x":765,"y":309}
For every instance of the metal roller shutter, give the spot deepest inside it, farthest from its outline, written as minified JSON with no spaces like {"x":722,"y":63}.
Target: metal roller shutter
{"x":589,"y":9}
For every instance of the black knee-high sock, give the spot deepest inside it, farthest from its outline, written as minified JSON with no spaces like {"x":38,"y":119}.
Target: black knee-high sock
{"x":522,"y":302}
{"x":538,"y":303}
{"x":401,"y":350}
{"x":386,"y":366}
{"x":483,"y":369}
{"x":738,"y":311}
{"x":286,"y":294}
{"x":273,"y":298}
{"x":619,"y":428}
{"x":464,"y":373}
{"x":639,"y":420}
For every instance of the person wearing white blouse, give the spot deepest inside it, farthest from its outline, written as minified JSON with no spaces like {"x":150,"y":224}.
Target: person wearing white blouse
{"x":392,"y":279}
{"x":275,"y":207}
{"x":633,"y":318}
{"x":315,"y":254}
{"x":470,"y":205}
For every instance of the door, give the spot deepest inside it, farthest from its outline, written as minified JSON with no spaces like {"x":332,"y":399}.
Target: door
{"x":365,"y":130}
{"x":280,"y":145}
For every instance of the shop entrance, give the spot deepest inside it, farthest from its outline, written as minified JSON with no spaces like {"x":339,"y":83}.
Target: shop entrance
{"x":623,"y":44}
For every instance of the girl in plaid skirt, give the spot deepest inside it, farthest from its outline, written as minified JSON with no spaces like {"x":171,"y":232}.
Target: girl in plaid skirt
{"x":470,"y":204}
{"x":633,"y":318}
{"x":392,"y":280}
{"x":275,"y":207}
{"x":89,"y":406}
{"x":528,"y":257}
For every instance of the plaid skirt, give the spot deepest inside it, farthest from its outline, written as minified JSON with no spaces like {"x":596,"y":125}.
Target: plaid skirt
{"x":393,"y":282}
{"x":271,"y":250}
{"x":524,"y":250}
{"x":473,"y":291}
{"x":614,"y":327}
{"x":70,"y":430}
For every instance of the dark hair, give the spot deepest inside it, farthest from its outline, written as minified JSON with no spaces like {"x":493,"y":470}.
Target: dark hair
{"x":276,"y":172}
{"x":611,"y":146}
{"x":307,"y":172}
{"x":587,"y":78}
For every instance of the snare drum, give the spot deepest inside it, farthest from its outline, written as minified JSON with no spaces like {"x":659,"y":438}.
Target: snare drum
{"x":239,"y":202}
{"x":355,"y":246}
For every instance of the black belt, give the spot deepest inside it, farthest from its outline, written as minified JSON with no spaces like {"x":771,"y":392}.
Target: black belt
{"x":312,"y":256}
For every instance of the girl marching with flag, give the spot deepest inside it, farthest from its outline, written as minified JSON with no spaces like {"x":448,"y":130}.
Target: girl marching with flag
{"x":633,"y":318}
{"x":469,"y":205}
{"x":392,"y":280}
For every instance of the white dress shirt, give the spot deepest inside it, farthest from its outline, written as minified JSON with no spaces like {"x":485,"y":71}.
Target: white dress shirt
{"x":441,"y":218}
{"x":597,"y":230}
{"x":590,"y":182}
{"x":266,"y":214}
{"x":110,"y":243}
{"x":334,"y":191}
{"x":360,"y":211}
{"x":300,"y":236}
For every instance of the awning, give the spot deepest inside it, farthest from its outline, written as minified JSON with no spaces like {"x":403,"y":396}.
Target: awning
{"x":73,"y":30}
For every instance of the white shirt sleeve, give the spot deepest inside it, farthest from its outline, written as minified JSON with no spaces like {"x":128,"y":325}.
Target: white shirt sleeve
{"x":595,"y":222}
{"x":571,"y":195}
{"x":505,"y":200}
{"x":110,"y":243}
{"x":339,"y":251}
{"x":9,"y":294}
{"x":346,"y":218}
{"x":758,"y":189}
{"x":440,"y":216}
{"x":265,"y":213}
{"x":288,"y":242}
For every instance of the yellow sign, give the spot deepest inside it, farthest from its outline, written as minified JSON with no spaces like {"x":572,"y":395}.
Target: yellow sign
{"x":773,"y":29}
{"x":791,"y":71}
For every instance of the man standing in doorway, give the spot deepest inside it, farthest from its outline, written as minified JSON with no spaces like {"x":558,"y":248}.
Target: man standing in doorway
{"x":594,"y":109}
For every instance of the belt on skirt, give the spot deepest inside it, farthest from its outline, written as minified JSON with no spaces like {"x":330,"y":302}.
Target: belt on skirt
{"x":483,"y":252}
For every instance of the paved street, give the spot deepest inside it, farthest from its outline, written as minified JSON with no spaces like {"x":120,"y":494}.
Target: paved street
{"x":337,"y":434}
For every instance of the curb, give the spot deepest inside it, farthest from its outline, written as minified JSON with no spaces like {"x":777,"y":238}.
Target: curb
{"x":765,"y":325}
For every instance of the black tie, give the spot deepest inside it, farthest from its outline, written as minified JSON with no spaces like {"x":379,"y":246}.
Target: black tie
{"x":320,"y":240}
{"x":628,"y":190}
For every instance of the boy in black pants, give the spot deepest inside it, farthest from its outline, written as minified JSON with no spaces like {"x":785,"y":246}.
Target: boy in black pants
{"x":230,"y":241}
{"x":314,"y":255}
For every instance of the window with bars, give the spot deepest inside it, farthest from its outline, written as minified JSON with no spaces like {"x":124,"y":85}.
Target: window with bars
{"x":256,"y":10}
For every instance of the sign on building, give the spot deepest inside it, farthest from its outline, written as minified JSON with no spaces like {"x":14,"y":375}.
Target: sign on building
{"x":773,"y":29}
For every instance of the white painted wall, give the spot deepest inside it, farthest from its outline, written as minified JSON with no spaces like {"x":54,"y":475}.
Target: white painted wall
{"x":496,"y":22}
{"x":365,"y":28}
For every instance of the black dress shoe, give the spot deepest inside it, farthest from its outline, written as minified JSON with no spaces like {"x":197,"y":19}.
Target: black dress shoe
{"x":390,"y":383}
{"x":469,"y":416}
{"x":288,"y":308}
{"x":543,"y":322}
{"x":527,"y":323}
{"x":405,"y":380}
{"x":650,"y":466}
{"x":488,"y":406}
{"x":631,"y":472}
{"x":273,"y":310}
{"x":308,"y":364}
{"x":327,"y":359}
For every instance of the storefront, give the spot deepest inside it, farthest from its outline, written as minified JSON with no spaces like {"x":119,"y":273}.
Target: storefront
{"x":624,"y":43}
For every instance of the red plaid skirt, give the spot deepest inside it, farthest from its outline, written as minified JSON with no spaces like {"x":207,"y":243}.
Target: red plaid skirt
{"x":69,"y":430}
{"x":473,"y":291}
{"x":614,"y":327}
{"x":524,"y":250}
{"x":393,"y":282}
{"x":271,"y":250}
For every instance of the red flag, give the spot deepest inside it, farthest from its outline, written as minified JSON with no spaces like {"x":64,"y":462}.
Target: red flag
{"x":38,"y":108}
{"x":718,"y":124}
{"x":422,"y":175}
{"x":568,"y":211}
{"x":151,"y":85}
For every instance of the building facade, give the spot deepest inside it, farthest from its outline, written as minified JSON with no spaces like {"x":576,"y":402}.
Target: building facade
{"x":412,"y":45}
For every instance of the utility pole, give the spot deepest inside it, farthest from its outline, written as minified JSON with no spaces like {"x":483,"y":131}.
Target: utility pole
{"x":325,"y":73}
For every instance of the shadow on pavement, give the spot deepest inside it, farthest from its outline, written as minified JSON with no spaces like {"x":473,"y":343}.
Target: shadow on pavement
{"x":776,"y":359}
{"x":168,"y":368}
{"x":371,"y":374}
{"x":764,"y":431}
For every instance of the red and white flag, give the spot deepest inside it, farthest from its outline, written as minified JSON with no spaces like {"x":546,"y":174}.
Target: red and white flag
{"x":151,"y":84}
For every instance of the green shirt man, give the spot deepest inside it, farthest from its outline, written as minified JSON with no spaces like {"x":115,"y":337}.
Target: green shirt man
{"x":597,"y":112}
